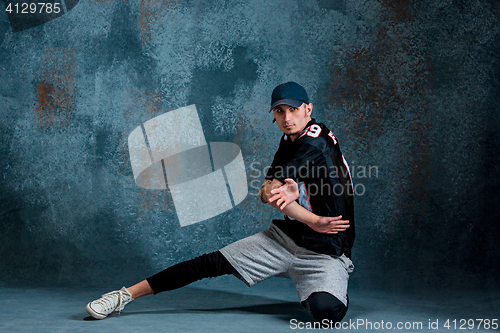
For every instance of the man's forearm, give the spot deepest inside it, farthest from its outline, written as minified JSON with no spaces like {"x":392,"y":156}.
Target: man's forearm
{"x":296,"y":211}
{"x":293,"y":209}
{"x":321,"y":224}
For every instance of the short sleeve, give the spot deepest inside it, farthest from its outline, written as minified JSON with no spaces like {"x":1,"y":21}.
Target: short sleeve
{"x":307,"y":162}
{"x":276,"y":165}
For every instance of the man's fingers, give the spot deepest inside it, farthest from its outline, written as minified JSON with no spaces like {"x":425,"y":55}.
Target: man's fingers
{"x":276,"y":190}
{"x":274,"y":197}
{"x":332,"y":225}
{"x":341,"y":227}
{"x":338,"y":227}
{"x":337,"y":223}
{"x":284,"y":204}
{"x":336,"y":220}
{"x":343,"y":222}
{"x":330,"y":232}
{"x":281,"y":203}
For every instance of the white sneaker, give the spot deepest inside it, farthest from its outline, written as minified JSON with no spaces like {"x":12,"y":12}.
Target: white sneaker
{"x":109,"y":303}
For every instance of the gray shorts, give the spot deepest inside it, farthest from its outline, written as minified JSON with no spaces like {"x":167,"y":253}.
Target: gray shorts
{"x":272,"y":253}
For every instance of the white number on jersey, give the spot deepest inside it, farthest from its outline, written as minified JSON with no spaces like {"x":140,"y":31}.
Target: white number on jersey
{"x":334,"y":138}
{"x":314,"y":131}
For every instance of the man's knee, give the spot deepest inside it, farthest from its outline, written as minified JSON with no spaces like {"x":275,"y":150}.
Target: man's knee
{"x":326,"y":306}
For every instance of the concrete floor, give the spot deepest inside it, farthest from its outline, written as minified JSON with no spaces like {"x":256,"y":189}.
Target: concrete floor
{"x":227,"y":305}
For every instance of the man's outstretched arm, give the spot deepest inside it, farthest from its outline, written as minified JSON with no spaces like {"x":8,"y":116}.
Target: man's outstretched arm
{"x":286,"y":194}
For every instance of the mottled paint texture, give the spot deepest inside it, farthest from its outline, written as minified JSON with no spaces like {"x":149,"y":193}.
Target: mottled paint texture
{"x":56,"y":88}
{"x":411,"y":89}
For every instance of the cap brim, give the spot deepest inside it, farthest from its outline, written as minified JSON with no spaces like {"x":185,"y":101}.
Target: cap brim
{"x":292,"y":102}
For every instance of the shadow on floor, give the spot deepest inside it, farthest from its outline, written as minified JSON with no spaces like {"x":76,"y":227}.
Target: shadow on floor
{"x":192,"y":300}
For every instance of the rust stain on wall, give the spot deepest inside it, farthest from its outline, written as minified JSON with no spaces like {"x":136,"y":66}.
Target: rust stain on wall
{"x":400,"y":10}
{"x":381,"y":87}
{"x":143,"y":101}
{"x":56,"y":88}
{"x":152,"y":200}
{"x":151,"y":13}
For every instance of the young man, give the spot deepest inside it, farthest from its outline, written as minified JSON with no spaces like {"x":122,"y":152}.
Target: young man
{"x":309,"y":181}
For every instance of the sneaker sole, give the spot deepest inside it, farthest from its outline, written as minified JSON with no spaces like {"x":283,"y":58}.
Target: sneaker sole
{"x":93,"y":313}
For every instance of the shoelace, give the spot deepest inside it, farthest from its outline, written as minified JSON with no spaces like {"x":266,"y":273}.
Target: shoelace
{"x":111,"y":301}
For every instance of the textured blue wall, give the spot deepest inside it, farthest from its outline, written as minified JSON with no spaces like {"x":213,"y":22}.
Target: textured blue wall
{"x":411,"y":88}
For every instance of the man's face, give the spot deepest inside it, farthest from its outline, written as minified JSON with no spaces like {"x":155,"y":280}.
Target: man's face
{"x":292,"y":120}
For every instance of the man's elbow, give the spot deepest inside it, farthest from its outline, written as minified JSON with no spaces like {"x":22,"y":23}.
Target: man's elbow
{"x":263,"y":191}
{"x":263,"y":197}
{"x":267,"y":187}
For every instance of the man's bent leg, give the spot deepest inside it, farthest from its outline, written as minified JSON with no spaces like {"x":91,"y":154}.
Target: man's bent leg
{"x":324,"y":305}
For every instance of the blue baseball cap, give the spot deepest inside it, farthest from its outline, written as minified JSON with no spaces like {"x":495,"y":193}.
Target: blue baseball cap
{"x":290,"y":93}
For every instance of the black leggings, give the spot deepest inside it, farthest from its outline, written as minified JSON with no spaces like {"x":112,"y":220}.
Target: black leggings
{"x":322,"y":304}
{"x":180,"y":275}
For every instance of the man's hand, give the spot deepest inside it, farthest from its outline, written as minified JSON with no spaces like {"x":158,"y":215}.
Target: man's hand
{"x":285,"y":194}
{"x":329,"y":225}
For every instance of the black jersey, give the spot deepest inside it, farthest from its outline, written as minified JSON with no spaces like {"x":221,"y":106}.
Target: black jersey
{"x":315,"y":162}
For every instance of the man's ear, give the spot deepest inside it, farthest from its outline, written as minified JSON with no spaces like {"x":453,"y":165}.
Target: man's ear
{"x":309,"y":108}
